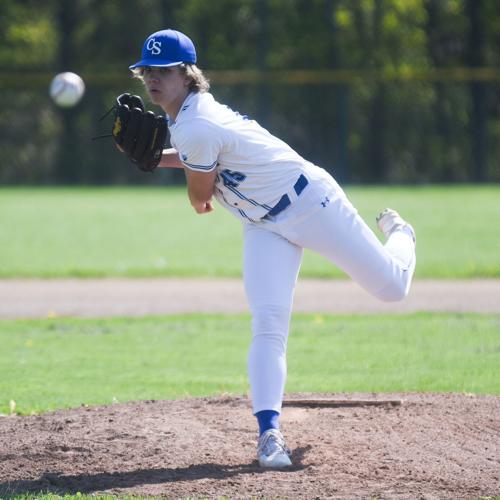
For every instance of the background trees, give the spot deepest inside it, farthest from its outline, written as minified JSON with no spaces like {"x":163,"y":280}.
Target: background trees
{"x":372,"y":90}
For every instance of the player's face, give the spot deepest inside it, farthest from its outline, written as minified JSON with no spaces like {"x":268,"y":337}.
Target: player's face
{"x":167,"y":87}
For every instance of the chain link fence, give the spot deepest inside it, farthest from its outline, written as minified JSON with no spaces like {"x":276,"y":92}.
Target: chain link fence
{"x":361,"y":127}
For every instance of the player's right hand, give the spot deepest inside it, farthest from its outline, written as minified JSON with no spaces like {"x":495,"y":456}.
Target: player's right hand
{"x":203,"y":207}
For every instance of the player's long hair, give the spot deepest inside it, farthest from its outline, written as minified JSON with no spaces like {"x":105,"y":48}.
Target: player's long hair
{"x":199,"y":82}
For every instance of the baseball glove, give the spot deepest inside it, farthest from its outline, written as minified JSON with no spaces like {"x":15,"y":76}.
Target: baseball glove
{"x":140,"y":134}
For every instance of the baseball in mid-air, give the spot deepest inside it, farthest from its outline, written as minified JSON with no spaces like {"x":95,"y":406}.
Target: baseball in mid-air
{"x":66,"y":89}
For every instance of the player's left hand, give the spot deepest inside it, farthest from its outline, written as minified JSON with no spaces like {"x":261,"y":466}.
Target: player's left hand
{"x":140,"y":134}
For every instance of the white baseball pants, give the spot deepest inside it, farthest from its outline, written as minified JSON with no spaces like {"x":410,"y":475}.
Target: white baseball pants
{"x":323,"y":220}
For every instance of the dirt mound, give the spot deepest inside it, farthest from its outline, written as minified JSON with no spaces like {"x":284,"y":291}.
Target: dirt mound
{"x":432,"y":445}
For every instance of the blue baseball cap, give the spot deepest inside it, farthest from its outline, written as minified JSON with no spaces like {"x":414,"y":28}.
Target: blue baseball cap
{"x":166,"y":48}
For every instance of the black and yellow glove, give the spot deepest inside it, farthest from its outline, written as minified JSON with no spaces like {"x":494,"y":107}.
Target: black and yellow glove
{"x":140,"y":134}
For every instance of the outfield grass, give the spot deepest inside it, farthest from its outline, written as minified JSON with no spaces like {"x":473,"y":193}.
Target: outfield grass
{"x":78,"y":496}
{"x":152,"y":231}
{"x":61,"y":362}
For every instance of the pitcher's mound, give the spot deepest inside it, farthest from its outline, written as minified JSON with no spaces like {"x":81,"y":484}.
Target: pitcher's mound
{"x":403,"y":446}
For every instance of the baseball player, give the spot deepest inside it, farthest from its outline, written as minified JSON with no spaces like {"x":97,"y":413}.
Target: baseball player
{"x":285,"y":204}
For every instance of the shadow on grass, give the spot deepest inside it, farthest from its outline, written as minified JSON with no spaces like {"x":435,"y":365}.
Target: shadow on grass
{"x":90,"y":483}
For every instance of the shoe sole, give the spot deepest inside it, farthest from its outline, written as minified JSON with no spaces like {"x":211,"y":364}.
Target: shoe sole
{"x":272,"y":465}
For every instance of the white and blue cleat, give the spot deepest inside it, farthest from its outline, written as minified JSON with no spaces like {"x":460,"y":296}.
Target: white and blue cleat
{"x":272,"y":451}
{"x":389,"y":221}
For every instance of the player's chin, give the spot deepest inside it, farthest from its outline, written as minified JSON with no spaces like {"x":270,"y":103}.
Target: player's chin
{"x":155,"y":96}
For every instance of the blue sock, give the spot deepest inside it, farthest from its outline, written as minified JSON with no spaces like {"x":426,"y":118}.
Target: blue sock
{"x":268,"y":419}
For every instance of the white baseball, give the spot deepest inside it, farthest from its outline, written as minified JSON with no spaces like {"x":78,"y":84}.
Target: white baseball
{"x":66,"y":89}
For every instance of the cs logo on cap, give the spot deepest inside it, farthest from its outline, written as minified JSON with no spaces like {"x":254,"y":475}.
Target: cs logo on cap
{"x":154,"y":47}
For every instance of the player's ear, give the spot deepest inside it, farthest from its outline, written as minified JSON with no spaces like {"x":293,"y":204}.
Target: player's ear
{"x":187,"y":80}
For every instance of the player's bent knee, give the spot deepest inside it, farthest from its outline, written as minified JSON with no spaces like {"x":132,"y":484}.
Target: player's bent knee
{"x":395,"y":292}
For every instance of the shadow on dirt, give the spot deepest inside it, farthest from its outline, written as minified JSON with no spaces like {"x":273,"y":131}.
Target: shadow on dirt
{"x":90,"y":483}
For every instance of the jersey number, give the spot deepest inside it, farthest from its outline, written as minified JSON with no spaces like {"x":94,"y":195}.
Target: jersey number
{"x":232,"y":179}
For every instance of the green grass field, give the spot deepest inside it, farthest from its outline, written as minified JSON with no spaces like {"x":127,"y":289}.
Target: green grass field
{"x":61,"y":362}
{"x":152,"y":231}
{"x":78,"y":496}
{"x":87,"y":232}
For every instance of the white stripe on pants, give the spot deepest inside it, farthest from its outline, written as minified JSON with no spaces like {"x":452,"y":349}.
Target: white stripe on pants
{"x":272,"y":257}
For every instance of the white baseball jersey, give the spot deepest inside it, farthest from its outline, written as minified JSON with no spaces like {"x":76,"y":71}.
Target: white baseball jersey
{"x":254,"y":168}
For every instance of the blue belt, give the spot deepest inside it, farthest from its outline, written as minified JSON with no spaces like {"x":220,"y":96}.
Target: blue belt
{"x":284,"y":201}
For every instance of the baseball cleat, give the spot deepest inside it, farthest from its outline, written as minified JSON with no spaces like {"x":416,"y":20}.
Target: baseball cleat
{"x":389,"y":221}
{"x":272,"y":451}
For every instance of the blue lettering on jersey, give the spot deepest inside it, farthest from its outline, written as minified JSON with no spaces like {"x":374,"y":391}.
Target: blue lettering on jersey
{"x":232,"y":179}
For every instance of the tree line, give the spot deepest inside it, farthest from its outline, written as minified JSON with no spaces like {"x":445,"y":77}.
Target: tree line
{"x":393,"y":91}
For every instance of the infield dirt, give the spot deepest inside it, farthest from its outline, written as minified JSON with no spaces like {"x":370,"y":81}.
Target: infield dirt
{"x":35,"y":298}
{"x":431,"y":446}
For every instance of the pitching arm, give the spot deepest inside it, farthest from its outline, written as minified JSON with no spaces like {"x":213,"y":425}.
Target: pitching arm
{"x":201,"y":189}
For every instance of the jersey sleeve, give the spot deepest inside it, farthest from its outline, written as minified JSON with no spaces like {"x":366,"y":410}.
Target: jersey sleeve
{"x":199,"y":146}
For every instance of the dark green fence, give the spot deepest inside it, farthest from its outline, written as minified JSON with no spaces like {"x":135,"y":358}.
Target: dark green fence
{"x":374,"y":90}
{"x":362,"y":128}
